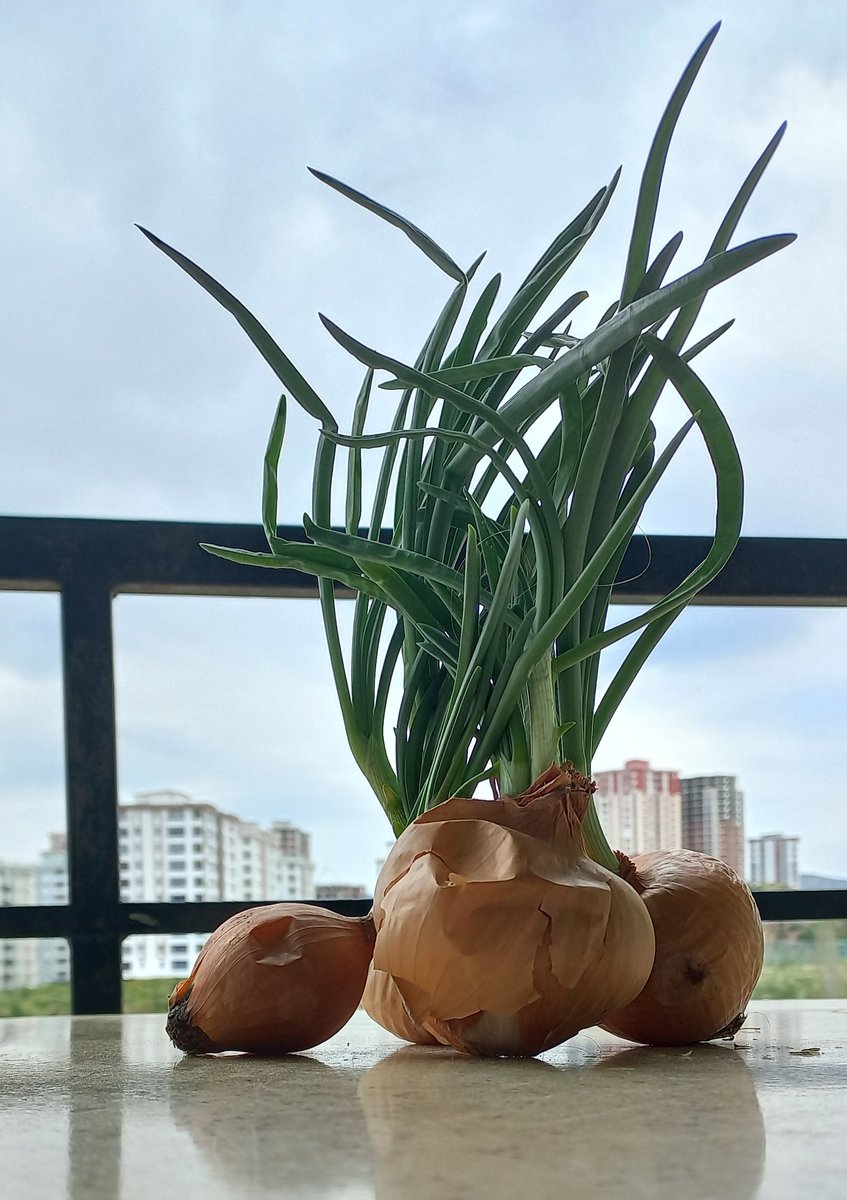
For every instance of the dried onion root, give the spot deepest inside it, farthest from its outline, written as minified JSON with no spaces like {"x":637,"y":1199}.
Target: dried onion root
{"x":273,"y":980}
{"x":709,"y":950}
{"x":501,"y":936}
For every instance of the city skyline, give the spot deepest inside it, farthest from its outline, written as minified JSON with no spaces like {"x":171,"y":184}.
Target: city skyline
{"x":331,"y":879}
{"x":636,"y":777}
{"x":169,"y":840}
{"x":172,"y":848}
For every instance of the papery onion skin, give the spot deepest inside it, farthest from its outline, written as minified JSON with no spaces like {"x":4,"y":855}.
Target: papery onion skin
{"x":501,"y":936}
{"x":273,"y":980}
{"x":709,"y":950}
{"x":384,"y":1004}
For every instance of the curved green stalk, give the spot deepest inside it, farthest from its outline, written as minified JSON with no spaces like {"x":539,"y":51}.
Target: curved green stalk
{"x":515,"y":497}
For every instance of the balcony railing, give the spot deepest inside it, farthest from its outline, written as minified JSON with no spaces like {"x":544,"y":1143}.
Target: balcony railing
{"x":90,"y":561}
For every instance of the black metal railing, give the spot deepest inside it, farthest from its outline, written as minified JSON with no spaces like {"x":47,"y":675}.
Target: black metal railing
{"x":90,"y":561}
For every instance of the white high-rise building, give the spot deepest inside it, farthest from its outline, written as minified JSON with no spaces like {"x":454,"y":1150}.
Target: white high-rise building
{"x":18,"y":956}
{"x":171,"y":849}
{"x":774,"y":861}
{"x":639,"y":808}
{"x":54,"y":954}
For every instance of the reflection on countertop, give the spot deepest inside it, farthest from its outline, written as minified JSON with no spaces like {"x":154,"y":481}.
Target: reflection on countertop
{"x":96,"y":1107}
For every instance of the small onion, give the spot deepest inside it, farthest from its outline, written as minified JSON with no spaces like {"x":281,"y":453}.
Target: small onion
{"x":709,"y":950}
{"x":273,"y":980}
{"x":500,"y":935}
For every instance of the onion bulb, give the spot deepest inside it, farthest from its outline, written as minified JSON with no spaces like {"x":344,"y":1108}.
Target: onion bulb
{"x":383,"y":1002}
{"x":500,"y":935}
{"x":272,"y":980}
{"x":709,"y":950}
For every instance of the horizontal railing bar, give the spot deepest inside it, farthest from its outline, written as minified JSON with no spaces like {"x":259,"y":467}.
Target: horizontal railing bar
{"x":36,"y":921}
{"x":45,"y":921}
{"x":797,"y":905}
{"x":91,"y":561}
{"x":62,"y":920}
{"x":183,"y":917}
{"x":164,"y":557}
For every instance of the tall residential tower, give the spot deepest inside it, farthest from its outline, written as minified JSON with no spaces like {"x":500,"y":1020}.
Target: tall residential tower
{"x":713,"y":818}
{"x":639,"y":807}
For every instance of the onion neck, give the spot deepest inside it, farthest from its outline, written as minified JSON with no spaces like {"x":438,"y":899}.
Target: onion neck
{"x":543,"y":726}
{"x":544,"y":734}
{"x":596,"y":846}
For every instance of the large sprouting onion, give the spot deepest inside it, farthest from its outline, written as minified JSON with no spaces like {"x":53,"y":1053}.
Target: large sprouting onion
{"x":514,"y":469}
{"x":500,"y":935}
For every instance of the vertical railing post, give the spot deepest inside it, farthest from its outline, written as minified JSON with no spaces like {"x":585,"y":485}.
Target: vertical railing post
{"x":91,"y":780}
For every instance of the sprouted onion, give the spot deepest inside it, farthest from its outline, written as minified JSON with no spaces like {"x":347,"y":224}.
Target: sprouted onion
{"x":515,"y":469}
{"x":524,"y":940}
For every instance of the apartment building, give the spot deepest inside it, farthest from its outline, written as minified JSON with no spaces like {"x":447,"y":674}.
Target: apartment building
{"x":639,"y":807}
{"x":713,"y":818}
{"x":54,"y":955}
{"x":173,"y":848}
{"x":18,"y":956}
{"x":774,"y":861}
{"x":340,"y":891}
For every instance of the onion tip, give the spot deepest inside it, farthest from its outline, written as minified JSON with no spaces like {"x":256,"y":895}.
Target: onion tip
{"x":185,"y":1035}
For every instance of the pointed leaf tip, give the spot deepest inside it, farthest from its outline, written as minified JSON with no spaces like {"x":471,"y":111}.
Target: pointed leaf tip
{"x":415,"y":235}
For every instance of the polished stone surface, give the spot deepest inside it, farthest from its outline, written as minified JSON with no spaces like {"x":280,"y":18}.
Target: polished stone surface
{"x":104,"y":1107}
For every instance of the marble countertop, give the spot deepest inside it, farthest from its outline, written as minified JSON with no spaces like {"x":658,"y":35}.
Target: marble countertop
{"x":104,"y":1107}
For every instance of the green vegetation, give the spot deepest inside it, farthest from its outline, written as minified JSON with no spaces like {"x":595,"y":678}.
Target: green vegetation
{"x":801,"y":981}
{"x":802,"y":962}
{"x":515,"y":467}
{"x":147,"y":995}
{"x":54,"y":999}
{"x":50,"y":1000}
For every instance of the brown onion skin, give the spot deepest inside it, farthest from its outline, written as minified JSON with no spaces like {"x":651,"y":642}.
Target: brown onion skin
{"x":273,"y":980}
{"x":709,"y":950}
{"x":501,"y":936}
{"x":384,"y":1004}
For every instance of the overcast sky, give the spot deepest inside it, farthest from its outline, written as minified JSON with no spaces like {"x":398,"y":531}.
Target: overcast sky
{"x":127,"y":393}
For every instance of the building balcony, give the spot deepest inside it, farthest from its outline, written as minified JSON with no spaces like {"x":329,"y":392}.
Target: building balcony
{"x":89,"y":562}
{"x":101,"y":1105}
